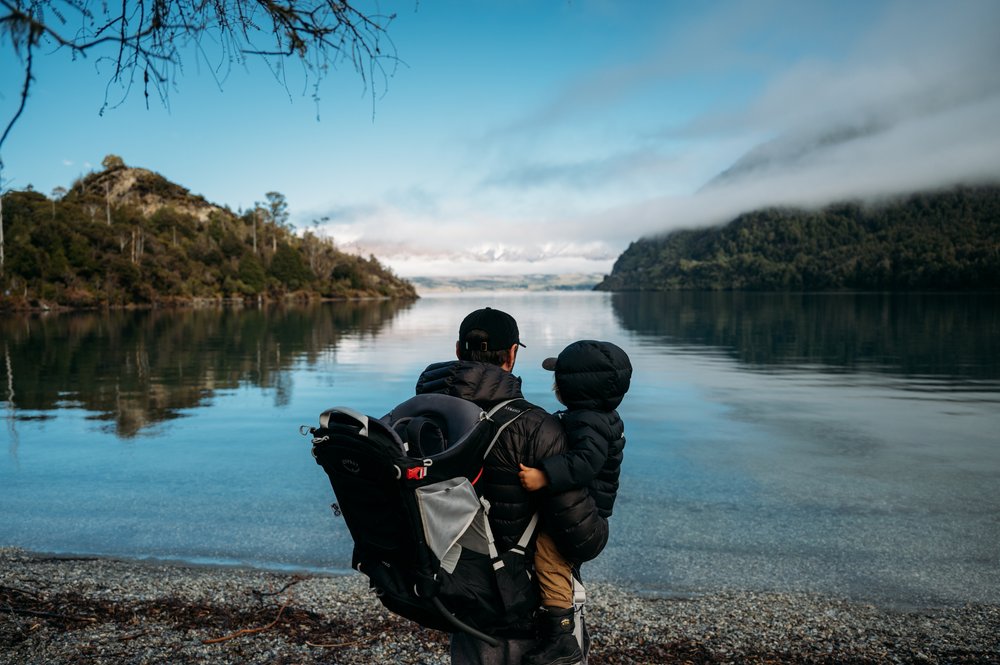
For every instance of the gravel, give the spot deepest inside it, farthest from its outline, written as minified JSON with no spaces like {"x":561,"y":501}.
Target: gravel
{"x":97,"y":610}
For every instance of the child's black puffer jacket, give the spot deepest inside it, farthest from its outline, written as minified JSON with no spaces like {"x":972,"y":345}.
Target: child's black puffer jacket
{"x":592,"y":378}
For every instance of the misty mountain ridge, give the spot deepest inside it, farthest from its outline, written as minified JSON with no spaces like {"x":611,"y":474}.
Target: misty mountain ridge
{"x":500,"y":253}
{"x":945,"y":239}
{"x":790,"y":152}
{"x":899,"y":142}
{"x":528,"y":282}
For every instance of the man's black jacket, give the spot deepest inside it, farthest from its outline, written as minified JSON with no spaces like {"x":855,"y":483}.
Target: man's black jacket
{"x":570,"y":518}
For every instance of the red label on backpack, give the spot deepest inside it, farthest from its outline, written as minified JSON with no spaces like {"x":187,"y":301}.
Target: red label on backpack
{"x":416,"y":473}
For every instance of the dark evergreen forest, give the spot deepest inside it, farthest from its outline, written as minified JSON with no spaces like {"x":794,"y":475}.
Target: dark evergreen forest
{"x":939,"y":240}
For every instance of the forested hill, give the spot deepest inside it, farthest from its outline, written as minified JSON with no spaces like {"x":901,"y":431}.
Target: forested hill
{"x":941,"y":240}
{"x":128,"y":236}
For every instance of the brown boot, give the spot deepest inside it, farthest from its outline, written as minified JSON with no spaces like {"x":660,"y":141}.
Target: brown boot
{"x":557,"y":644}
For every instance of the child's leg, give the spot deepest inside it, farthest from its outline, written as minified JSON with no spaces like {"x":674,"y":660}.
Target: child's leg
{"x":556,"y":640}
{"x":555,"y":574}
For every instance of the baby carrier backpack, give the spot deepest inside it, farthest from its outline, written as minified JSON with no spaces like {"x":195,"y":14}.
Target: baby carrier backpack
{"x":405,"y":485}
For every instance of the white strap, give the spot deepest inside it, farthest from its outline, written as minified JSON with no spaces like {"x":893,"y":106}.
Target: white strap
{"x":490,"y":544}
{"x":521,"y":545}
{"x":529,"y":531}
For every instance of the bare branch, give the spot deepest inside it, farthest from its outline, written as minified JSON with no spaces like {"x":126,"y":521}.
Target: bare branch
{"x":148,"y":35}
{"x":24,"y":94}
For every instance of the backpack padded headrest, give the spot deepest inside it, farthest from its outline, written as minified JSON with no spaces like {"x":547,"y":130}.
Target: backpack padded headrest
{"x":455,"y":417}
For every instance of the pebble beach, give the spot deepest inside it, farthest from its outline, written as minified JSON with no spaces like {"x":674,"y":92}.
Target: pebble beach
{"x":56,"y":609}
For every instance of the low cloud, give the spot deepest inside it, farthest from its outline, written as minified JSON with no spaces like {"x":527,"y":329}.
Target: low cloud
{"x":912,"y":104}
{"x":612,"y":169}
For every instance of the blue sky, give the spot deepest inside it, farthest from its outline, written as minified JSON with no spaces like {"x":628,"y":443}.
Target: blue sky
{"x":544,"y":136}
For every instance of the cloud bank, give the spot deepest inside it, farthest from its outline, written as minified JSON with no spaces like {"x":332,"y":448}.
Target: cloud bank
{"x":912,"y":104}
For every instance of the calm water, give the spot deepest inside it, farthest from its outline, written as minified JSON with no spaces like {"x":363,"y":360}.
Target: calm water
{"x":836,"y":443}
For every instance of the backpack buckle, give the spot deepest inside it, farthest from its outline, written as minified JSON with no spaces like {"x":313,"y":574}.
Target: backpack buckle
{"x":416,"y":473}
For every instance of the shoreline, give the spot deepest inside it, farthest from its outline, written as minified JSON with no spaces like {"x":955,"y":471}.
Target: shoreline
{"x":72,"y":609}
{"x":7,"y":304}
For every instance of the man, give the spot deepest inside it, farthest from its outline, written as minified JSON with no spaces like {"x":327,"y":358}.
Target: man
{"x":488,"y":341}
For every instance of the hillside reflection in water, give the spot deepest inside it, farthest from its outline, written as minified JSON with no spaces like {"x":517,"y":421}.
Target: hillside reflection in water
{"x":947,"y":336}
{"x":134,"y":369}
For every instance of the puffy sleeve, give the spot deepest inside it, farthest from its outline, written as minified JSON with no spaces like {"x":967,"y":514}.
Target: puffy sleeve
{"x":587,"y":452}
{"x":570,"y":517}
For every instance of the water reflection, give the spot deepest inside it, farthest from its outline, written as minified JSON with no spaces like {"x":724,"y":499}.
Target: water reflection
{"x":134,"y":369}
{"x":764,"y":453}
{"x":934,"y":335}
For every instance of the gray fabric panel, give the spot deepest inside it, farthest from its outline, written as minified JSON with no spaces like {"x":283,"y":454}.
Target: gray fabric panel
{"x":478,"y":535}
{"x":450,"y":560}
{"x":447,"y":509}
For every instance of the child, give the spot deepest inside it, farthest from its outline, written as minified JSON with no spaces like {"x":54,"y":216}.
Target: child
{"x":591,"y":378}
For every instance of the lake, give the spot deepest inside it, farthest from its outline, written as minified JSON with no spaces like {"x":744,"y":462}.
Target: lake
{"x":836,"y":443}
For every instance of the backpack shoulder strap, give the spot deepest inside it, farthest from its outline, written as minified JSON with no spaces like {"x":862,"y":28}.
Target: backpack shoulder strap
{"x":503,"y":414}
{"x":508,"y":410}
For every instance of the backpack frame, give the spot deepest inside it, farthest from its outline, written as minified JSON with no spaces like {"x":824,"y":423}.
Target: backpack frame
{"x":405,"y":486}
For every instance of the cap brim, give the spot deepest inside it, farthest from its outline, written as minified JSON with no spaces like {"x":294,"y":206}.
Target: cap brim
{"x":549,"y":364}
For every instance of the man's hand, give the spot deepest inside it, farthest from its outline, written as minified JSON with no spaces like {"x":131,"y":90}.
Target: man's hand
{"x":532,"y":479}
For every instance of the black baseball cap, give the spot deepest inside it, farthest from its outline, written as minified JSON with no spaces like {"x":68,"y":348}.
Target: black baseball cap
{"x":498,"y":331}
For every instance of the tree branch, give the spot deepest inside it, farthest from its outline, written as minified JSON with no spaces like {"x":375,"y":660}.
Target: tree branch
{"x":148,"y":40}
{"x":24,"y":95}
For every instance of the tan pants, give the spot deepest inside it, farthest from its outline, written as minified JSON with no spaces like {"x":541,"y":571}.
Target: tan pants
{"x":555,"y":574}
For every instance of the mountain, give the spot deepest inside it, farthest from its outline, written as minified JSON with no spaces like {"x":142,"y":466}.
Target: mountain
{"x":130,"y":237}
{"x":535,"y":282}
{"x":793,"y":151}
{"x":931,"y":240}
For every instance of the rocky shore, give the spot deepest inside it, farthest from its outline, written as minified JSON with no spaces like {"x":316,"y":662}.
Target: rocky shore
{"x":92,"y":610}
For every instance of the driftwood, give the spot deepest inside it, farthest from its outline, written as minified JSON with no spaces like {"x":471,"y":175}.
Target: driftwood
{"x":249,"y":631}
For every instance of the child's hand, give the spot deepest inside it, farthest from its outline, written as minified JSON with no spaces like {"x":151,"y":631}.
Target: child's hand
{"x":532,"y":479}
